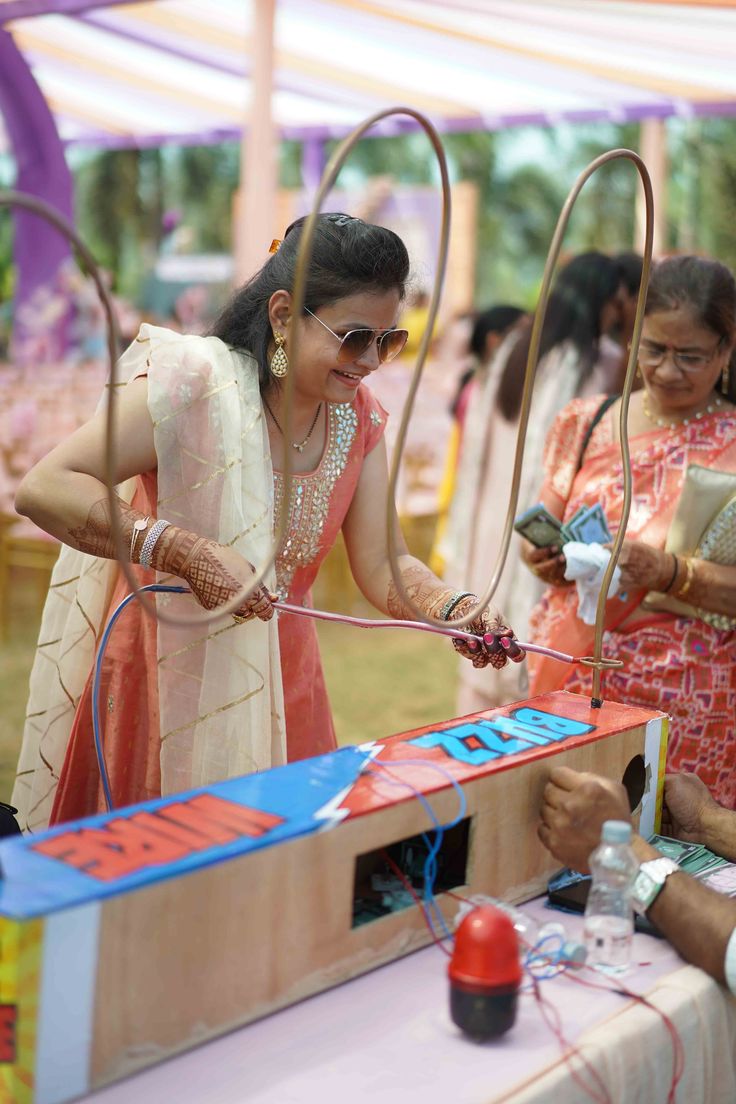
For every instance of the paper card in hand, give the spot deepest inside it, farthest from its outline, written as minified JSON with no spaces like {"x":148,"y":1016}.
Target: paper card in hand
{"x":539,"y":526}
{"x":591,"y":527}
{"x":566,"y":532}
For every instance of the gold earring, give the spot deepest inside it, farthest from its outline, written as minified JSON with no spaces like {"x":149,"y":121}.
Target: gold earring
{"x":279,"y":362}
{"x":725,"y":378}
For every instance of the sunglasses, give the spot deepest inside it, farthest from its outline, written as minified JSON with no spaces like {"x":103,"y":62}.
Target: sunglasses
{"x":389,"y":343}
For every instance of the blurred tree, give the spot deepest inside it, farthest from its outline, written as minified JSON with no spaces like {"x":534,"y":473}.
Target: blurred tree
{"x":111,"y":212}
{"x":522,"y":176}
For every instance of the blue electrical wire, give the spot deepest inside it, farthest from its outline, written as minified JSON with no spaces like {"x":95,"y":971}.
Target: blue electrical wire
{"x":433,"y":846}
{"x":99,"y":750}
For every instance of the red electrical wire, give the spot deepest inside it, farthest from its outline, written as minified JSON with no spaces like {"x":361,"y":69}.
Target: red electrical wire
{"x":551,"y":1017}
{"x":678,"y":1050}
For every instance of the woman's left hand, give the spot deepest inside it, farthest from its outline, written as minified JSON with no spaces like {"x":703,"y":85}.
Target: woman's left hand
{"x":643,"y":566}
{"x":494,"y":630}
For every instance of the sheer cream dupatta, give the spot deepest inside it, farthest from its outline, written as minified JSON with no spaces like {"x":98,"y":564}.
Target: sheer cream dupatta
{"x":220,"y":694}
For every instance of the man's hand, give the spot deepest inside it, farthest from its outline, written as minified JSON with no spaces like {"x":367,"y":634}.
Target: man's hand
{"x":689,"y":809}
{"x":574,"y":806}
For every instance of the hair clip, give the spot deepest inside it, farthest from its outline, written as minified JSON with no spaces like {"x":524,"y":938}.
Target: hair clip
{"x":274,"y":246}
{"x":341,"y":220}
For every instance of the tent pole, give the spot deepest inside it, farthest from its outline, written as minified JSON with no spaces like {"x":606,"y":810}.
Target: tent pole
{"x":254,"y":227}
{"x":653,"y":151}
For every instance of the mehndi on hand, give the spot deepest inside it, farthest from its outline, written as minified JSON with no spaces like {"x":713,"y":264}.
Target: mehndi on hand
{"x":499,"y":640}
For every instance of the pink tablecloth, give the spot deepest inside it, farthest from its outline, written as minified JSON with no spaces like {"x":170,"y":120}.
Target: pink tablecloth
{"x":388,"y":1037}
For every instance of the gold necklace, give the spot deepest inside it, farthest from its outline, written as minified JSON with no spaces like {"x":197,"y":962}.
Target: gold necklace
{"x":298,"y":445}
{"x":685,"y":421}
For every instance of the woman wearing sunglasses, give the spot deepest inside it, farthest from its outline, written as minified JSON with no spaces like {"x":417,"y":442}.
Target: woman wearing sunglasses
{"x":678,"y":656}
{"x":201,"y":448}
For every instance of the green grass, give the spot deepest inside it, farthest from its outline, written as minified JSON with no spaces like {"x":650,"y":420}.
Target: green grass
{"x":380,"y":681}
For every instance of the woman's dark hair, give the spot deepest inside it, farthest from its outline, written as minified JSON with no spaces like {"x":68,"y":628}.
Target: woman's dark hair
{"x":703,"y":286}
{"x":494,"y":320}
{"x":348,"y":256}
{"x":582,"y":289}
{"x":631,"y":265}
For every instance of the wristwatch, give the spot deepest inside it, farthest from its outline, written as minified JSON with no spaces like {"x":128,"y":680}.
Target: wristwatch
{"x":649,"y":882}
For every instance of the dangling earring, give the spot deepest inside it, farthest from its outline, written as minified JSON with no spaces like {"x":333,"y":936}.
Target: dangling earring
{"x":725,"y":378}
{"x":279,"y":362}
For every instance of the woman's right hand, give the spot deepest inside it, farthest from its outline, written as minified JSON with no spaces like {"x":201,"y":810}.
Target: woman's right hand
{"x":216,"y":573}
{"x":548,"y":564}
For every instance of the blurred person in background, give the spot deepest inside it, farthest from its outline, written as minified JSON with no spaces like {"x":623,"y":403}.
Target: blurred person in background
{"x":586,"y":303}
{"x":490,"y":327}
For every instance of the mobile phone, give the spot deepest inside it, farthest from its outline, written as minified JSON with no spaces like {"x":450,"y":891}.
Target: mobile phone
{"x":539,"y":526}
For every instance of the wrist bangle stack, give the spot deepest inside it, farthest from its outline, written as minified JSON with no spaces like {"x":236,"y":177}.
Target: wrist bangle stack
{"x":675,"y":569}
{"x":152,"y":536}
{"x":453,"y":601}
{"x":682,"y":590}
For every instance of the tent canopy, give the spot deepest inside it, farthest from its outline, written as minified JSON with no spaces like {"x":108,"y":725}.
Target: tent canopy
{"x":142,"y":74}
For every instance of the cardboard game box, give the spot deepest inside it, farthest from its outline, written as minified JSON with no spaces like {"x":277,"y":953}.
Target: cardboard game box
{"x":128,"y":937}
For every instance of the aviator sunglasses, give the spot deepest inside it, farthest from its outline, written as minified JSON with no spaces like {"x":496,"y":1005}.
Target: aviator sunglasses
{"x":389,"y":343}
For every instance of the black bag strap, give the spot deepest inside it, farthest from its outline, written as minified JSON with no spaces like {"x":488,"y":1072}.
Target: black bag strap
{"x":597,"y":417}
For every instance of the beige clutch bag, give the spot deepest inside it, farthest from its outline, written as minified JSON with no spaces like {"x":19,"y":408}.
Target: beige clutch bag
{"x":704,"y":526}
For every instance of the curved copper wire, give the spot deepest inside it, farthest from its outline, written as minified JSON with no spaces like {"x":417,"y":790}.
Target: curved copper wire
{"x":44,"y":210}
{"x":334,"y":165}
{"x":596,"y":660}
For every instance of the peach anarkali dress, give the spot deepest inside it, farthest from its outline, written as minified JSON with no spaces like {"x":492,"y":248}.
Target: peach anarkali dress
{"x":222,"y":711}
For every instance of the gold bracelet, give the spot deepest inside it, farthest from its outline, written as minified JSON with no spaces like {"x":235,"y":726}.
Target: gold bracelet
{"x":682,"y":590}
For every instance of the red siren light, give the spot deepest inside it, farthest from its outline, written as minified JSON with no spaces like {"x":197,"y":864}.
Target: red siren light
{"x":485,"y":974}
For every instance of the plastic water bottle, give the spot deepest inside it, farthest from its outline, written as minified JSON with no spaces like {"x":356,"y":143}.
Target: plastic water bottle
{"x":609,"y":918}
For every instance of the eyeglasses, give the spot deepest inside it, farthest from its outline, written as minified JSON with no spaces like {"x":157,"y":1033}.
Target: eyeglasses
{"x":652,"y":355}
{"x":355,"y":343}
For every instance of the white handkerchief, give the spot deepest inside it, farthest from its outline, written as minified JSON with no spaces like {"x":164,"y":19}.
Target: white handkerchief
{"x":586,"y":565}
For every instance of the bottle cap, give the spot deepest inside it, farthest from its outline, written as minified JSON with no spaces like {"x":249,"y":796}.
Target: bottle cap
{"x":616,"y":831}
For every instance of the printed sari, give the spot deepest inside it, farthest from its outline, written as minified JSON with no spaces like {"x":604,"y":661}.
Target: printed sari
{"x":680,"y":665}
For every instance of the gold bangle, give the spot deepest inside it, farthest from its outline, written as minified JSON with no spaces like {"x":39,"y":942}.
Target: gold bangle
{"x":682,"y":590}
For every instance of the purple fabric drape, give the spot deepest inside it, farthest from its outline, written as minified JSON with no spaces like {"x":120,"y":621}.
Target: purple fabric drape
{"x":42,"y":171}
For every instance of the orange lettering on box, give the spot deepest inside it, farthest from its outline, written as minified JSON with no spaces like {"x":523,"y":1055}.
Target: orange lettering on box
{"x":127,"y":845}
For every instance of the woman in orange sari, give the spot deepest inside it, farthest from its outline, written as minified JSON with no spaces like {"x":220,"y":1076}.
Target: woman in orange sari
{"x":683,"y":415}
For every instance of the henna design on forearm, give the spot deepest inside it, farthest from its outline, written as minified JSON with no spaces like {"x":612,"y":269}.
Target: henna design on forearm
{"x":95,"y":536}
{"x":423,"y":588}
{"x":175,"y":549}
{"x":210,"y":581}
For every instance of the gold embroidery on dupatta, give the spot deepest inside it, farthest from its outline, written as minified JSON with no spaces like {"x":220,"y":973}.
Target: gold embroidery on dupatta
{"x":214,"y":712}
{"x":198,"y":398}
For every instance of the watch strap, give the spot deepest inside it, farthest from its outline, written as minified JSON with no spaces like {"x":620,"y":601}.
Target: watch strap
{"x":649,"y":882}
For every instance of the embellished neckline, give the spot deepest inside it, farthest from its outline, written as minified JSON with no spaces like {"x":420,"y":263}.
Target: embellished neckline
{"x":330,"y":429}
